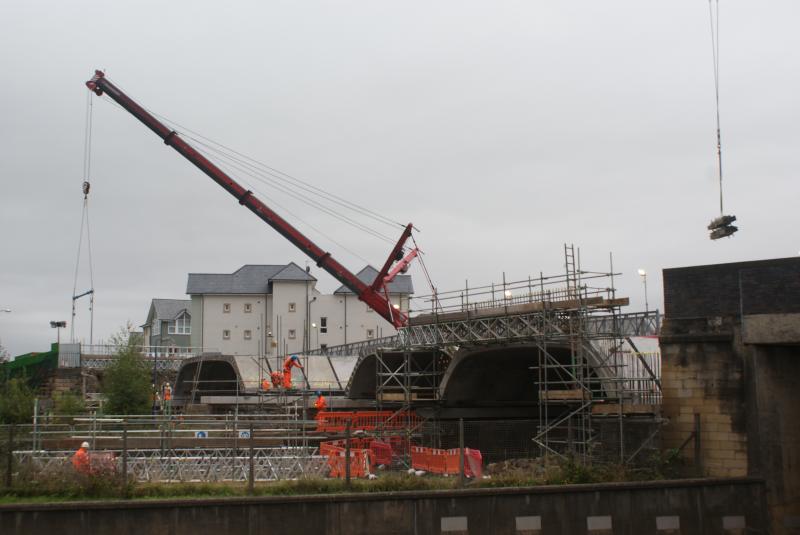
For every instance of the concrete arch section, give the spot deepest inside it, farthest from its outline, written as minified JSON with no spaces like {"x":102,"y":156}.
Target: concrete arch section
{"x":216,"y":375}
{"x":497,"y":375}
{"x":229,"y":375}
{"x":417,"y":370}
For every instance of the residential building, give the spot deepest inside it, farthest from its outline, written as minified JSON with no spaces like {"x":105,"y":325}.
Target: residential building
{"x":168,"y":325}
{"x":277,"y":309}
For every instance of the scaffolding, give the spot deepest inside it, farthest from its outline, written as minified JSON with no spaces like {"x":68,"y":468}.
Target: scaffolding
{"x":585,"y":376}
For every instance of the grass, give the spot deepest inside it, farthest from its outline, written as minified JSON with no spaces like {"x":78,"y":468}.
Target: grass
{"x":65,"y":484}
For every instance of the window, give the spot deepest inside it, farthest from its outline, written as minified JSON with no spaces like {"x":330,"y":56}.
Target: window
{"x":323,"y":347}
{"x":226,"y":307}
{"x":370,"y":333}
{"x":323,"y":325}
{"x":182,"y":324}
{"x":248,"y":308}
{"x":248,"y":334}
{"x":156,"y":327}
{"x":226,"y":334}
{"x":292,"y":307}
{"x":292,"y":334}
{"x":171,"y":327}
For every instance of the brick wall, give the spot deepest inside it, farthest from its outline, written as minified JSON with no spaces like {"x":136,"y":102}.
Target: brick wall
{"x":768,"y":287}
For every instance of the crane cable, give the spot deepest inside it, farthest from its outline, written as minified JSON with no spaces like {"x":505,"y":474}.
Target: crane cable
{"x":85,"y":187}
{"x":713,"y":12}
{"x":283,"y":182}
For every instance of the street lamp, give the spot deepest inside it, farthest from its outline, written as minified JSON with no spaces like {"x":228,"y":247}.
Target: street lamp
{"x":643,"y":275}
{"x":58,"y":325}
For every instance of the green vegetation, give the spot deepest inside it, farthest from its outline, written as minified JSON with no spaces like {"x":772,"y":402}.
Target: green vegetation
{"x":16,"y":401}
{"x":65,"y":484}
{"x":68,"y":404}
{"x":127,"y":381}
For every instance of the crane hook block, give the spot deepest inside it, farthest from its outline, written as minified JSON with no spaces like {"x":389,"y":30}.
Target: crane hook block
{"x":92,"y":84}
{"x":86,"y":187}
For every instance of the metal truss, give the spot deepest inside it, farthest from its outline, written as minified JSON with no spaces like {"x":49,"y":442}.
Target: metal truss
{"x":519,"y":327}
{"x":358,"y":348}
{"x":201,"y":465}
{"x":171,"y":364}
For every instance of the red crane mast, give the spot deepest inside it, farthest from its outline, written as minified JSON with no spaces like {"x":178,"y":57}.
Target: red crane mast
{"x":370,"y":294}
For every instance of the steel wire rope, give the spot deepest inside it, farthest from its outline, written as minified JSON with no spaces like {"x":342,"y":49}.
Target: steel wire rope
{"x":294,"y":215}
{"x":713,"y":13}
{"x":87,"y":166}
{"x":285,"y":177}
{"x":284,"y":189}
{"x":319,"y":191}
{"x":242,"y":167}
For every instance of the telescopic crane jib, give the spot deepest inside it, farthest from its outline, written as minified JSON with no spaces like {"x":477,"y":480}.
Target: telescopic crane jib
{"x":375,"y":295}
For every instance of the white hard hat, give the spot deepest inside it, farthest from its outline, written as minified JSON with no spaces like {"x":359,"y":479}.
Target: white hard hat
{"x":85,"y":445}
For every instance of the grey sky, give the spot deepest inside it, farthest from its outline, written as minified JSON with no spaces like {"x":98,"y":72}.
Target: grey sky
{"x":501,"y":129}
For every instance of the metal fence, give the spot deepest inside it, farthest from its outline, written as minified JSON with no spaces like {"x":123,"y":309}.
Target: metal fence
{"x":196,"y":465}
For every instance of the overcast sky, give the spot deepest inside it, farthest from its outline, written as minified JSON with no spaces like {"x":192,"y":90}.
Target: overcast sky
{"x":501,"y":129}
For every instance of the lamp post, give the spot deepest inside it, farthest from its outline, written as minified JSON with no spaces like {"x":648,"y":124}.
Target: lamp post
{"x":643,"y":275}
{"x":57,"y":325}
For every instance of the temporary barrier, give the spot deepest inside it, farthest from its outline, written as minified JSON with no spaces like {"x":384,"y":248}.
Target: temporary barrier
{"x":363,"y":450}
{"x":336,"y":421}
{"x":361,"y":462}
{"x":438,"y":461}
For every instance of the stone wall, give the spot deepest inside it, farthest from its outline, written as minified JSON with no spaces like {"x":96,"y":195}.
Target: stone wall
{"x":730,"y":348}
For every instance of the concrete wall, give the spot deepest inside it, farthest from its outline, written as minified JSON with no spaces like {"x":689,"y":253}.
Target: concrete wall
{"x":701,"y":506}
{"x":209,"y":318}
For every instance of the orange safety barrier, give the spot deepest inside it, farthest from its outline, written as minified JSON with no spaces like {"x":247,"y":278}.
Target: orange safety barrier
{"x":336,"y":421}
{"x":361,"y":462}
{"x":439,"y":461}
{"x":379,"y":452}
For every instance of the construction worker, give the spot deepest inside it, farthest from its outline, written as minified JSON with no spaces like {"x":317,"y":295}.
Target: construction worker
{"x":167,"y":399}
{"x":80,"y":460}
{"x":265,"y":384}
{"x":277,"y":378}
{"x":320,"y":404}
{"x":288,"y":364}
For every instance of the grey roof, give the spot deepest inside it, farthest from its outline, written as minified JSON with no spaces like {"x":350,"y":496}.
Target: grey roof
{"x":167,"y":309}
{"x":293,"y":272}
{"x":400,"y":285}
{"x":248,"y":279}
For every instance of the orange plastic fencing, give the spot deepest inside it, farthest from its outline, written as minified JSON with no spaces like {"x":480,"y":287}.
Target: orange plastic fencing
{"x":439,"y":461}
{"x":336,"y":421}
{"x":365,"y":454}
{"x":361,"y":463}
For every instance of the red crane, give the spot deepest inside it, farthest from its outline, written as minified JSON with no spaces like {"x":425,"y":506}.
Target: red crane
{"x":375,"y":295}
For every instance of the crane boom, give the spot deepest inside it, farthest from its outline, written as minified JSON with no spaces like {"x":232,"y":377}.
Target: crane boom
{"x":380,"y":303}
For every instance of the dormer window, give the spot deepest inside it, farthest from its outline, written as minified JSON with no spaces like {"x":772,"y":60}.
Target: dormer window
{"x":183,"y":323}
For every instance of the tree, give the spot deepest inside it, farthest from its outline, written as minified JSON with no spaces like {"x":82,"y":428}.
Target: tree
{"x":68,"y":404}
{"x":127,"y":381}
{"x":3,"y":353}
{"x":16,"y":402}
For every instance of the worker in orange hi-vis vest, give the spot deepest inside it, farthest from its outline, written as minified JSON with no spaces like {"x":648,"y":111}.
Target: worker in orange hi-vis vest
{"x":167,"y":399}
{"x":288,"y":364}
{"x":80,"y":461}
{"x":320,"y":404}
{"x":265,"y":384}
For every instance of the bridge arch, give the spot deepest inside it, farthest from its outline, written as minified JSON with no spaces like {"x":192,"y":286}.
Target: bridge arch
{"x":499,"y":375}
